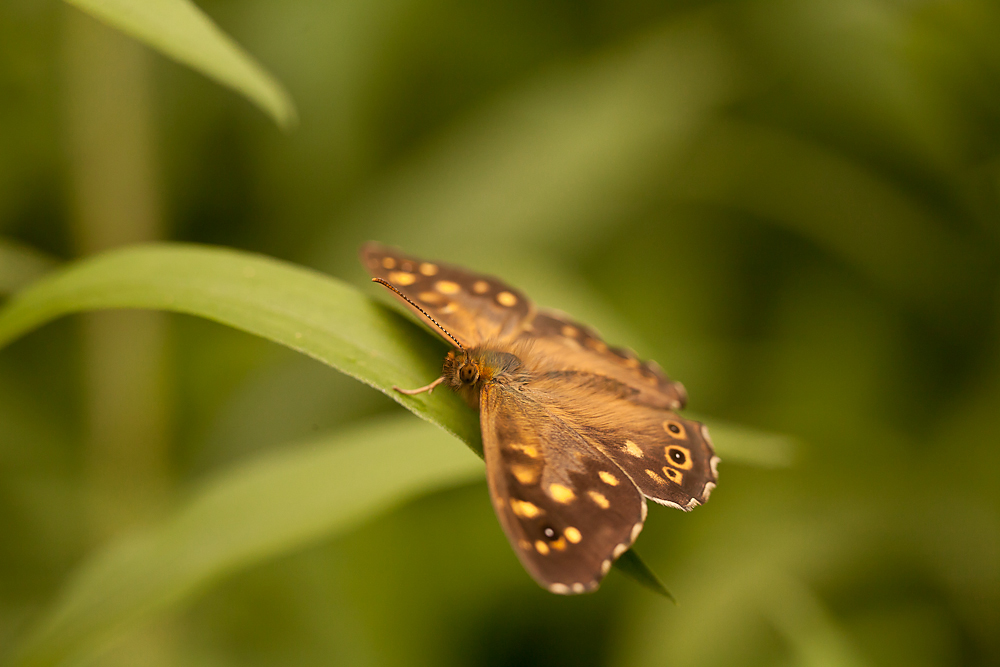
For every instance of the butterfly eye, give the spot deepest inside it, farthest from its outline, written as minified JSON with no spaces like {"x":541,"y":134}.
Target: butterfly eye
{"x":468,"y":373}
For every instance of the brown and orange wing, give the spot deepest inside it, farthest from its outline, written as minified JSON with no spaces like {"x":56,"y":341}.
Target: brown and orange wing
{"x":558,"y":344}
{"x":566,"y":508}
{"x":472,"y":307}
{"x":670,"y":459}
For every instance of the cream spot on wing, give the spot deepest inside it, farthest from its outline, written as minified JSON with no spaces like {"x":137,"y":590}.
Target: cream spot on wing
{"x":605,"y":566}
{"x":600,"y":499}
{"x":480,"y":287}
{"x":447,"y":287}
{"x":402,"y":278}
{"x":569,"y":332}
{"x":573,"y":535}
{"x":447,"y":310}
{"x":645,"y":509}
{"x":559,"y":589}
{"x":715,"y":466}
{"x":578,"y":588}
{"x":691,"y":504}
{"x":526,"y":474}
{"x":432,"y":298}
{"x":561,"y":494}
{"x":542,"y":547}
{"x":506,"y":299}
{"x":524,"y":509}
{"x":707,"y":491}
{"x":597,"y":345}
{"x":524,"y":544}
{"x":608,"y":478}
{"x":636,"y":529}
{"x":559,"y":545}
{"x":428,"y":269}
{"x":528,"y":450}
{"x":656,"y":478}
{"x":704,"y":434}
{"x":633,"y":449}
{"x":619,"y":550}
{"x":389,"y":262}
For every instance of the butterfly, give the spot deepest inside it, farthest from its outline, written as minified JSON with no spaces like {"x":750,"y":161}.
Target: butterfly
{"x":576,"y":434}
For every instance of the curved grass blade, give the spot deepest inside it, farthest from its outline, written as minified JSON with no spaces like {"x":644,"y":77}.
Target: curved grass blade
{"x":253,"y":511}
{"x":180,"y":30}
{"x":21,"y":265}
{"x":315,"y":314}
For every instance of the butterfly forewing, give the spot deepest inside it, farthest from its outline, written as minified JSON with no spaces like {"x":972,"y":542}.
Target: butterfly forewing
{"x":566,"y":508}
{"x":560,"y":344}
{"x":473,"y":307}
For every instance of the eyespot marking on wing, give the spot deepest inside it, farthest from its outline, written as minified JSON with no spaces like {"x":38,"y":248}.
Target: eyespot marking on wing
{"x":673,"y":475}
{"x":679,"y":457}
{"x":675,"y":429}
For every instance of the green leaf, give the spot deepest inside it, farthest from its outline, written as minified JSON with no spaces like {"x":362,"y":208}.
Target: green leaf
{"x":254,"y":511}
{"x":20,"y":265}
{"x":315,"y":314}
{"x":747,"y":446}
{"x":180,"y":30}
{"x":631,"y":565}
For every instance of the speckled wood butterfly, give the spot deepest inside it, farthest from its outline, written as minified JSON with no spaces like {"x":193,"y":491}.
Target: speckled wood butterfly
{"x":576,"y":434}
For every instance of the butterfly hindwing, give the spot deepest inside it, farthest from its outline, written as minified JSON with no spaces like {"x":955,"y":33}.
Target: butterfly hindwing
{"x":566,"y":508}
{"x":473,"y":307}
{"x":670,"y":459}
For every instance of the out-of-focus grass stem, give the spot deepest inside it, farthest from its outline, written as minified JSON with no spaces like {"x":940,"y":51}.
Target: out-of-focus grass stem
{"x":114,"y":189}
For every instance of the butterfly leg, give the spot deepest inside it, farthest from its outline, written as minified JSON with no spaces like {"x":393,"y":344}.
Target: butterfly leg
{"x":413,"y":392}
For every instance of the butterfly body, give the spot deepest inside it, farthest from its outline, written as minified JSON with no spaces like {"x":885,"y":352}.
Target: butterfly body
{"x":576,"y":435}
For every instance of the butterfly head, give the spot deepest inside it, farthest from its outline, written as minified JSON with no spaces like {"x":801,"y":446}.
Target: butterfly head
{"x":467,"y":370}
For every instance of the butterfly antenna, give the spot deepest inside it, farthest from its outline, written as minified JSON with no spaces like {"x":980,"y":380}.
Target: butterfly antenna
{"x":424,"y":312}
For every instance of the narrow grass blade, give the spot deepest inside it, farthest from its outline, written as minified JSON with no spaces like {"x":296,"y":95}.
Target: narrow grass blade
{"x":180,"y":30}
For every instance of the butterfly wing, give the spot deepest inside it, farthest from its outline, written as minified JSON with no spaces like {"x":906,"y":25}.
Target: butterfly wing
{"x":560,"y":344}
{"x":566,"y":508}
{"x":473,"y":307}
{"x":670,"y":459}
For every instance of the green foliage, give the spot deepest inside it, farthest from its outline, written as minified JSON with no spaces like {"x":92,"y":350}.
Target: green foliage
{"x":792,"y":205}
{"x":178,"y":29}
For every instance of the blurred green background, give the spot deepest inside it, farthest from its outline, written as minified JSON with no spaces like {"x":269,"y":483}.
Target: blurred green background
{"x":792,"y":205}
